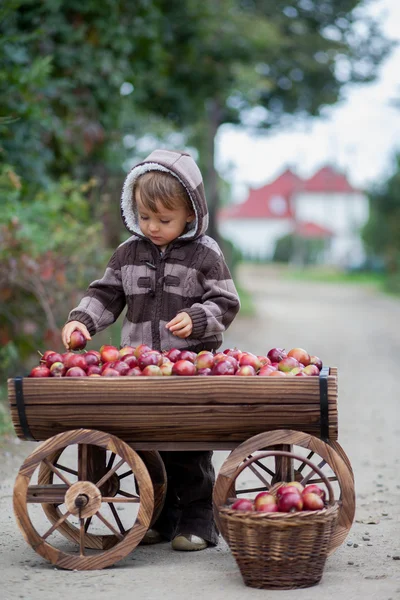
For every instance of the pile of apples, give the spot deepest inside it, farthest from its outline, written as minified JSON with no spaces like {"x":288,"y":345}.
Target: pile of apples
{"x":110,"y":361}
{"x":288,"y":497}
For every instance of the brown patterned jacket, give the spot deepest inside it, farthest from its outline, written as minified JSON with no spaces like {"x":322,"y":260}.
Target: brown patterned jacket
{"x":191,"y":275}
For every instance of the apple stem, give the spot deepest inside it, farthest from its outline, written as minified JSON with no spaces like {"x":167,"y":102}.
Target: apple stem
{"x":40,"y":354}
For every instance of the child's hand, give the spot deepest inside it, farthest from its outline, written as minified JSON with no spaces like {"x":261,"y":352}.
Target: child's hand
{"x":181,"y":325}
{"x":69,"y":328}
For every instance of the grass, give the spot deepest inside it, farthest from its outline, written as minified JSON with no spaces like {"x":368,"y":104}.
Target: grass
{"x":6,"y":427}
{"x":246,"y":302}
{"x":330,"y":275}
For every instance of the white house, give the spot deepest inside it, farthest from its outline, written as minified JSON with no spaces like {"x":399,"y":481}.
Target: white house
{"x":325,"y":206}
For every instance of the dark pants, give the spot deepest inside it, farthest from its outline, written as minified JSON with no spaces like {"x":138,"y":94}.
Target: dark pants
{"x":188,"y":503}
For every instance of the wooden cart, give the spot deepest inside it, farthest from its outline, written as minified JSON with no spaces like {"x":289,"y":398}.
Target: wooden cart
{"x":97,"y":473}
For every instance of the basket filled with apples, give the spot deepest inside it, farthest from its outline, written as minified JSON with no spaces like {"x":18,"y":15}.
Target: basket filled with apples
{"x":280,"y":539}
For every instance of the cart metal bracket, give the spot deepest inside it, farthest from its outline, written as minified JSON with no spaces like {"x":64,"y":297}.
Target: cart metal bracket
{"x":19,"y":398}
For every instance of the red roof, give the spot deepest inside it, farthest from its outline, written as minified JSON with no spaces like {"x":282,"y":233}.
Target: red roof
{"x":312,"y":230}
{"x":272,"y":201}
{"x":328,"y":180}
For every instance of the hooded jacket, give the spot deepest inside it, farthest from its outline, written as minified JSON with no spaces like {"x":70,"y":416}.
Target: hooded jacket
{"x":190,"y":275}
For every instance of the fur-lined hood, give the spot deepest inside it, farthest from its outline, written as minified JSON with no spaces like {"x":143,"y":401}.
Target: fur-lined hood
{"x":182,"y":166}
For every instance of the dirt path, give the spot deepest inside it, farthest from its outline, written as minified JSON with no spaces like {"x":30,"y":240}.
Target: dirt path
{"x":356,"y":330}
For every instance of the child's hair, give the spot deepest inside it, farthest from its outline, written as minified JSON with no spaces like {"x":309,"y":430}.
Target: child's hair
{"x":163,"y":187}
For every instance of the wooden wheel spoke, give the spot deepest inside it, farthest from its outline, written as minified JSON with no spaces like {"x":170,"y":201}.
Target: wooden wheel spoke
{"x":82,"y":532}
{"x":128,"y":495}
{"x":259,"y":475}
{"x":264,"y":468}
{"x":87,"y":523}
{"x":66,"y":469}
{"x":116,"y":517}
{"x":82,"y":462}
{"x":56,"y":525}
{"x":56,"y":472}
{"x":124,"y":475}
{"x":307,"y":478}
{"x":47,"y":494}
{"x":109,"y":473}
{"x":318,"y":480}
{"x":111,"y":461}
{"x":110,"y":527}
{"x":116,"y":500}
{"x":250,"y":490}
{"x":303,"y":464}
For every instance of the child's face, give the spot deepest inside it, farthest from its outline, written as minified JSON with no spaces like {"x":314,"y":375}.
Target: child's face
{"x":163,"y":226}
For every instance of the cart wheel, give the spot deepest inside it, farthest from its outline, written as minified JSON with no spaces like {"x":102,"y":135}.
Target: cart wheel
{"x":82,"y":503}
{"x":100,"y":464}
{"x":328,"y":457}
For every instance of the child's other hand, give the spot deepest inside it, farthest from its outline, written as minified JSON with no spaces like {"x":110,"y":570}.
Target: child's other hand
{"x":181,"y":325}
{"x":69,"y":328}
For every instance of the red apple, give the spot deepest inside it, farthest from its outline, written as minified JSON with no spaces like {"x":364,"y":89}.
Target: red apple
{"x":45,"y":355}
{"x":77,"y":340}
{"x":235,"y":352}
{"x":223,"y":367}
{"x":131,"y":361}
{"x":173,"y":354}
{"x":121,"y":366}
{"x":77,"y":360}
{"x":246,"y":371}
{"x":140,"y":349}
{"x":311,"y":370}
{"x":264,"y":360}
{"x":300,"y":355}
{"x":40,"y":371}
{"x":262,"y":499}
{"x":109,"y":353}
{"x":312,"y":502}
{"x":183,"y":367}
{"x":266,"y":370}
{"x":75,"y":372}
{"x":93,"y":370}
{"x":314,"y":360}
{"x":166,"y":368}
{"x":287,"y":364}
{"x":267,"y":508}
{"x":276,"y":354}
{"x":204,"y":360}
{"x":242,"y":504}
{"x":91,"y":358}
{"x":247,"y":358}
{"x":297,"y":485}
{"x":287,"y":489}
{"x":66,"y":358}
{"x":277,"y":374}
{"x":290,"y":502}
{"x":133,"y":372}
{"x":153,"y":357}
{"x":152,"y":371}
{"x":110,"y":372}
{"x":204,"y":372}
{"x":188,"y":355}
{"x":314,"y":489}
{"x":57,"y":369}
{"x":126,"y":351}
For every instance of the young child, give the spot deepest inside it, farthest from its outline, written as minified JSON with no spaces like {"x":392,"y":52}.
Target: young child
{"x":179,"y":293}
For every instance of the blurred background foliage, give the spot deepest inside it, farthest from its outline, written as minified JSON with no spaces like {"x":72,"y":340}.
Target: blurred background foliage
{"x":89,"y":87}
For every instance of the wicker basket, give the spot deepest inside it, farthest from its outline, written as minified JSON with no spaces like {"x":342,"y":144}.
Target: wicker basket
{"x":280,"y":550}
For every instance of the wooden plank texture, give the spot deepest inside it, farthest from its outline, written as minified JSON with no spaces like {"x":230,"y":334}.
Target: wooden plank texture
{"x":201,"y":410}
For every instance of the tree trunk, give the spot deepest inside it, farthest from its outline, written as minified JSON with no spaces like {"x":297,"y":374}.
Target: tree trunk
{"x":211,"y":175}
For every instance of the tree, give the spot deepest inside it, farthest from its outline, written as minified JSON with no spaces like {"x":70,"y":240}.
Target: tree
{"x":382,"y":232}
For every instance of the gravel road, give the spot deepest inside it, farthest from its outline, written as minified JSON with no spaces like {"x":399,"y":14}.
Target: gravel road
{"x":353,"y":328}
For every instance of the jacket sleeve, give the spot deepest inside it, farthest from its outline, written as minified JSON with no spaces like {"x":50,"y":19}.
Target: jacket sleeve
{"x":104,"y":300}
{"x":220,"y":303}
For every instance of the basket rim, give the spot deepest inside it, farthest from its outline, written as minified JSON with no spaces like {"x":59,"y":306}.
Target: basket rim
{"x":275,"y":516}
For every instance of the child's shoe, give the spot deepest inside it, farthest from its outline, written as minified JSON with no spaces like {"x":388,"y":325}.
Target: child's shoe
{"x":188,"y":542}
{"x":152,"y":536}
